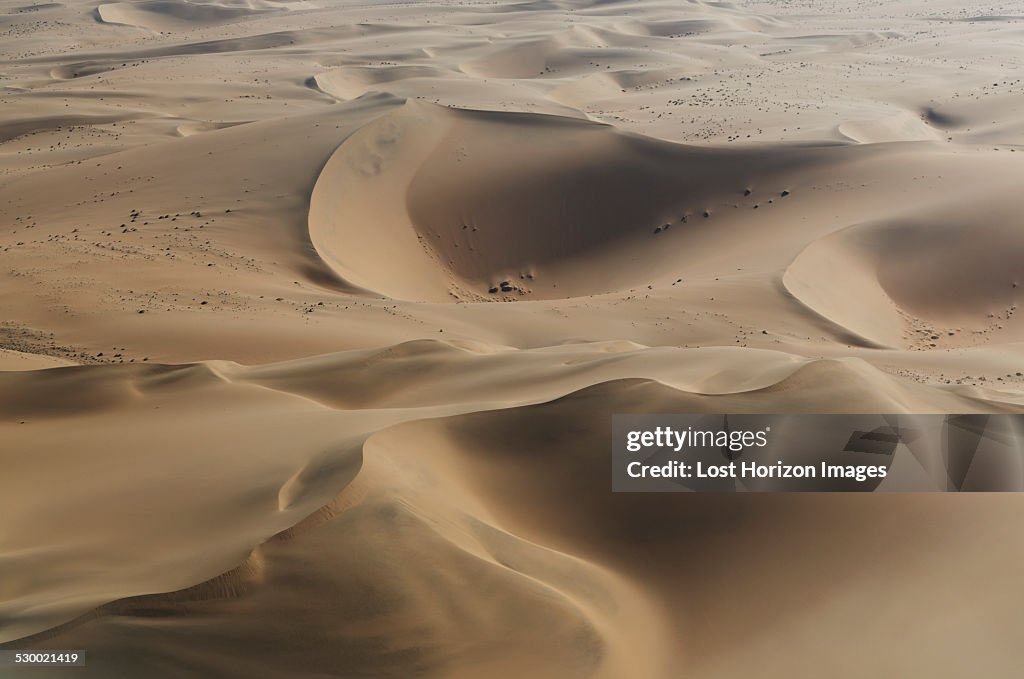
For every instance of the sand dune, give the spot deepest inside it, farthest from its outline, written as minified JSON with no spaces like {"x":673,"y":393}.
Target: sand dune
{"x":598,"y":202}
{"x":913,"y":279}
{"x":292,"y":518}
{"x":902,"y":126}
{"x":355,"y":81}
{"x":315,"y":316}
{"x":175,"y":15}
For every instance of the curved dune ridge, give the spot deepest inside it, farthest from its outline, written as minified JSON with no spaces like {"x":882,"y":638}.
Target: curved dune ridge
{"x":952,"y":276}
{"x":576,"y":53}
{"x":351,"y":82}
{"x":315,"y":461}
{"x":201,"y":126}
{"x":176,"y":15}
{"x":491,"y":206}
{"x":901,"y":126}
{"x":445,"y":193}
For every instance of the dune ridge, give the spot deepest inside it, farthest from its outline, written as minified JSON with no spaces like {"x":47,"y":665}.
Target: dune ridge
{"x":374,"y":479}
{"x":167,"y":15}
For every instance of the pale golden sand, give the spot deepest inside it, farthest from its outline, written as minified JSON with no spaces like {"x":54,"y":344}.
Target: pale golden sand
{"x":342,"y":296}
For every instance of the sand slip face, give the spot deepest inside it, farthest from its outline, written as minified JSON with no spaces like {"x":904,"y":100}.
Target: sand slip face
{"x":315,"y":315}
{"x":174,"y":16}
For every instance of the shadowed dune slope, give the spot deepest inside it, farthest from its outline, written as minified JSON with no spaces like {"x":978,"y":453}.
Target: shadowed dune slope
{"x":277,"y":535}
{"x":477,"y":203}
{"x":955,"y":274}
{"x":177,"y":15}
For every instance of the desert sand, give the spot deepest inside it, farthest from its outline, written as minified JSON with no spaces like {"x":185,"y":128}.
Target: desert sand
{"x":313,"y":317}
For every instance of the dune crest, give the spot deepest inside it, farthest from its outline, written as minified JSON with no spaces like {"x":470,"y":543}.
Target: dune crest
{"x":177,"y":15}
{"x":491,"y":206}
